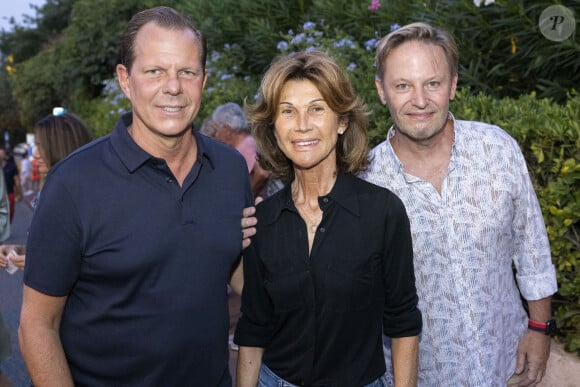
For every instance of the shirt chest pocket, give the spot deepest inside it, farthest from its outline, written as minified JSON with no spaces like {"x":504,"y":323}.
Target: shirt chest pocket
{"x":290,"y":291}
{"x":348,"y":289}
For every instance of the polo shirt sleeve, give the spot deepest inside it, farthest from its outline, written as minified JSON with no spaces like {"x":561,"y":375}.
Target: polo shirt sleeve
{"x":401,"y":316}
{"x":53,"y":253}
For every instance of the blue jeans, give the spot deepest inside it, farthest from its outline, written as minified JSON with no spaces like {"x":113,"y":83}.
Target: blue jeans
{"x":270,"y":379}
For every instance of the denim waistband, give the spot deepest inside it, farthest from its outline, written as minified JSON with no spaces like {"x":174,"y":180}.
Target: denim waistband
{"x":269,"y":379}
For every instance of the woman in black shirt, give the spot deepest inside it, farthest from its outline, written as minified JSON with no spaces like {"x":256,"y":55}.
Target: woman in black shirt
{"x":331,"y":265}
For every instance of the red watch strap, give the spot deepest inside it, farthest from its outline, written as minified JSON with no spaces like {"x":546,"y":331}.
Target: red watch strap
{"x":537,"y":324}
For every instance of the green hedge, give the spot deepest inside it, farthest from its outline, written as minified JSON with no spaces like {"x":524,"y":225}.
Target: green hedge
{"x":549,"y":136}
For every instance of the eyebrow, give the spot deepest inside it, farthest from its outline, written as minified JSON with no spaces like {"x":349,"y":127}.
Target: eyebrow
{"x":310,"y":102}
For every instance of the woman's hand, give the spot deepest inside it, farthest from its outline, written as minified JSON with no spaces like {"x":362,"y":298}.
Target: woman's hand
{"x":14,"y":254}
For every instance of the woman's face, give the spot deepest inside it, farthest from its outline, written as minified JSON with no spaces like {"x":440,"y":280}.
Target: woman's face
{"x":38,"y":155}
{"x":305,"y":127}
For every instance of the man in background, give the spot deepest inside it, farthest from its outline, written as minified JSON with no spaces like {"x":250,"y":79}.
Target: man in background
{"x":229,"y":125}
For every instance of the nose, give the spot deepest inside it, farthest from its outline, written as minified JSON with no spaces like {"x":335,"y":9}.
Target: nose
{"x":303,"y":121}
{"x":172,"y":85}
{"x":36,"y":153}
{"x":419,"y":99}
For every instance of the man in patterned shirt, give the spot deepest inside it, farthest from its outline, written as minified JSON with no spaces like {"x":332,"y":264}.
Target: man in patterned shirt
{"x":474,"y":216}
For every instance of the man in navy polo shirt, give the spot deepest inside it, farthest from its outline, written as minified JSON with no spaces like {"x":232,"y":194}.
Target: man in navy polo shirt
{"x":136,"y":234}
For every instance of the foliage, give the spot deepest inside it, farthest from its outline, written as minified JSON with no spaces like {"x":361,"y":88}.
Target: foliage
{"x":25,"y":41}
{"x":503,"y":52}
{"x":102,"y":113}
{"x":79,"y":52}
{"x":549,"y":135}
{"x":253,"y":25}
{"x":9,"y":119}
{"x":50,"y":88}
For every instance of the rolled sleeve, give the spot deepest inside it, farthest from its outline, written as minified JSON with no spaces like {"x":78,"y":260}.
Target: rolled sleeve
{"x":536,"y":275}
{"x":254,"y":328}
{"x":538,"y":286}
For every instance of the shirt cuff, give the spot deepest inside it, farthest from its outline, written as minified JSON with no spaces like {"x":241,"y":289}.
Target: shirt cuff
{"x":538,"y":286}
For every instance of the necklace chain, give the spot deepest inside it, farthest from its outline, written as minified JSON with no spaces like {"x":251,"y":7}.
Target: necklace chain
{"x":313,"y":224}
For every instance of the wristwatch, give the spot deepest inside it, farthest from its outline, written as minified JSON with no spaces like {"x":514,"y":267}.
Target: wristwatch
{"x":549,"y":327}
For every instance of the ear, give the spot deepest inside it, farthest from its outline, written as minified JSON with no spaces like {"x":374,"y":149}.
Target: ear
{"x":342,"y":124}
{"x":380,"y":90}
{"x":453,"y":88}
{"x":205,"y":75}
{"x":123,"y":79}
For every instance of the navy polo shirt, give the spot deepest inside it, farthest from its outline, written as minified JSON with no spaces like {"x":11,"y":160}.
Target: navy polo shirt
{"x":143,"y":261}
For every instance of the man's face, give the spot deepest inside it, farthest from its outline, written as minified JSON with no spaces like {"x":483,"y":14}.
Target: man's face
{"x":166,"y":80}
{"x":417,"y":87}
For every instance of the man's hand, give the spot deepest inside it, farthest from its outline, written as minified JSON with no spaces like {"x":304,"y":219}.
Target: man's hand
{"x":248,"y":223}
{"x":533,"y":353}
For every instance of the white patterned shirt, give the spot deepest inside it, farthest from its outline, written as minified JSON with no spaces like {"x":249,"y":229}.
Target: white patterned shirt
{"x":465,"y":241}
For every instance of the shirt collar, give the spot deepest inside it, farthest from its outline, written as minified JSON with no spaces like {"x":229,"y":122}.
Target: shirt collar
{"x":343,"y":193}
{"x":133,"y":156}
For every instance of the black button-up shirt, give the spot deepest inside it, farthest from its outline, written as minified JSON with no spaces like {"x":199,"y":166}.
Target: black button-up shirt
{"x":321,"y":317}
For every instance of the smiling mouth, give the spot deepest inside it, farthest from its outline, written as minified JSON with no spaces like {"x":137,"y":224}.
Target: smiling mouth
{"x":305,"y":143}
{"x":171,"y":109}
{"x":421,"y":115}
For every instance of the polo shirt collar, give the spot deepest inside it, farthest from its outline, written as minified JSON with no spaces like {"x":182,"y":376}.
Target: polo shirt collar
{"x":133,"y":156}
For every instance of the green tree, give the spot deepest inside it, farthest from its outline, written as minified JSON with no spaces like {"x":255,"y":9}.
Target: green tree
{"x":9,"y":118}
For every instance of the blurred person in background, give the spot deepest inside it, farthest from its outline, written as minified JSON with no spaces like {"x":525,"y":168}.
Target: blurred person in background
{"x":35,"y":178}
{"x":229,"y":125}
{"x":56,"y":136}
{"x":26,"y":171}
{"x":5,"y":345}
{"x":12,"y":180}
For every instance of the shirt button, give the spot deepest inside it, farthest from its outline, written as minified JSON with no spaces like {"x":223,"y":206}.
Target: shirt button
{"x":322,"y":229}
{"x":169,"y":180}
{"x":325,"y":200}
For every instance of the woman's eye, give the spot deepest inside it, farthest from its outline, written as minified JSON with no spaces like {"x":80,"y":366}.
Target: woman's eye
{"x":286,"y":112}
{"x":317,"y":110}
